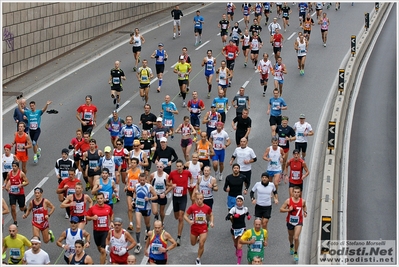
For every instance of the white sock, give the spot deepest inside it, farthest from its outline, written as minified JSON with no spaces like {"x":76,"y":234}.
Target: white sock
{"x":117,"y":192}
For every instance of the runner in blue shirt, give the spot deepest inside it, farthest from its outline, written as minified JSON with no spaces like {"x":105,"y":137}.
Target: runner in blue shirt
{"x":169,"y":110}
{"x":198,"y":21}
{"x":34,"y":119}
{"x":276,"y":105}
{"x":222,"y":105}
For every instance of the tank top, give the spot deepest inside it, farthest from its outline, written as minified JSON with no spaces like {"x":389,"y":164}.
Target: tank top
{"x":117,"y":244}
{"x":234,"y":33}
{"x":161,"y":57}
{"x":159,"y":183}
{"x":20,"y":143}
{"x":301,"y":49}
{"x":230,"y":7}
{"x":70,"y":238}
{"x":7,"y":162}
{"x":274,"y":155}
{"x":256,"y":248}
{"x":209,"y":66}
{"x":246,"y":9}
{"x":255,"y":44}
{"x":212,"y":120}
{"x":79,"y":262}
{"x":324,"y":24}
{"x":203,"y":149}
{"x":142,"y":191}
{"x":16,"y":180}
{"x":204,"y":189}
{"x":94,"y":160}
{"x":195,"y":171}
{"x":295,"y":216}
{"x":246,"y":40}
{"x":136,"y":40}
{"x":156,"y":242}
{"x":222,"y":76}
{"x":120,"y":158}
{"x":296,"y":167}
{"x":132,"y":178}
{"x":307,"y":24}
{"x":186,"y":129}
{"x":258,"y":8}
{"x":80,"y":207}
{"x":110,"y":165}
{"x":278,"y":72}
{"x":140,"y":156}
{"x":144,"y":75}
{"x":195,"y":107}
{"x":38,"y":212}
{"x":107,"y":190}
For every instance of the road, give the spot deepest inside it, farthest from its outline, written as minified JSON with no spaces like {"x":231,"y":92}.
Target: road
{"x":303,"y":94}
{"x":372,"y":159}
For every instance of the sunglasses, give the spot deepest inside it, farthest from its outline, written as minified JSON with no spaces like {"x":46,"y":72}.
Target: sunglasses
{"x":117,"y":224}
{"x":135,"y":146}
{"x":74,"y":222}
{"x":118,"y":144}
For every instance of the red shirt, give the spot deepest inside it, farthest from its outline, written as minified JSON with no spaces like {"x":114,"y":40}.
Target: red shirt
{"x":231,"y":51}
{"x":104,"y":213}
{"x":181,"y":181}
{"x":296,"y":167}
{"x":277,"y":40}
{"x":199,"y":215}
{"x":82,"y":146}
{"x":71,"y":185}
{"x":87,"y":112}
{"x":295,"y":217}
{"x":39,"y":213}
{"x":15,"y":181}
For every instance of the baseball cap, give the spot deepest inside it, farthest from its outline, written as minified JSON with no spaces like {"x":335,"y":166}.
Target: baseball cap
{"x":302,"y":116}
{"x":118,"y":220}
{"x":107,"y":149}
{"x":240,"y":197}
{"x":213,"y":106}
{"x":181,"y":57}
{"x":65,"y":150}
{"x":163,"y":139}
{"x":136,"y":142}
{"x":160,"y":44}
{"x":74,"y":219}
{"x":159,"y":119}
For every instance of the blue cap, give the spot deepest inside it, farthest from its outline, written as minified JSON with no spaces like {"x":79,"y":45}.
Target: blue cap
{"x":75,"y":219}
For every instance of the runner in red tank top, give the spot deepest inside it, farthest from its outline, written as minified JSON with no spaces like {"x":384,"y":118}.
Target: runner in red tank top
{"x":297,"y":210}
{"x":14,"y":184}
{"x":41,"y":209}
{"x":296,"y":176}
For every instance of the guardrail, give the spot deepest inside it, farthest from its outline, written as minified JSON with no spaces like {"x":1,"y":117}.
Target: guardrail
{"x":329,"y":209}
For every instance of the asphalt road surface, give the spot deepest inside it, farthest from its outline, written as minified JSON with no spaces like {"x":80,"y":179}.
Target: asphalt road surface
{"x":372,"y":173}
{"x":303,"y":94}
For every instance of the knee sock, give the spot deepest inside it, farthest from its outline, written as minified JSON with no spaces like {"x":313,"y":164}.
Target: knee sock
{"x":264,"y":88}
{"x":255,"y":62}
{"x":183,"y":95}
{"x":209,"y":87}
{"x":239,"y":256}
{"x":138,"y":237}
{"x":160,"y":82}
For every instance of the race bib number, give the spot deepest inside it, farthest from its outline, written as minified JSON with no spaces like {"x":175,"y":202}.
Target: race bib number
{"x":295,"y":175}
{"x":300,"y":134}
{"x":202,"y":153}
{"x":33,"y":125}
{"x":64,"y":174}
{"x":116,"y":249}
{"x":294,"y":220}
{"x":132,"y":183}
{"x":20,"y":147}
{"x":93,"y":164}
{"x":87,"y":116}
{"x":164,"y":162}
{"x":7,"y":167}
{"x":159,"y":186}
{"x":178,"y":191}
{"x":277,"y":44}
{"x":79,"y":207}
{"x":160,"y":59}
{"x":230,"y":55}
{"x":144,"y":78}
{"x":38,"y":218}
{"x":209,"y":67}
{"x":257,"y":246}
{"x":168,"y":122}
{"x":218,"y":146}
{"x":70,"y":191}
{"x":140,"y":202}
{"x":102,"y":221}
{"x":155,"y":248}
{"x":200,"y":218}
{"x":276,"y":105}
{"x":282,"y":141}
{"x":14,"y":189}
{"x":285,"y":14}
{"x":116,"y":80}
{"x":15,"y":252}
{"x":206,"y":192}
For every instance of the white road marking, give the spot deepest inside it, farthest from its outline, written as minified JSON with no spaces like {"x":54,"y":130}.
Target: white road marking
{"x":202,"y":45}
{"x":292,"y":35}
{"x":313,"y":14}
{"x":170,"y":208}
{"x":245,"y":84}
{"x":174,"y":65}
{"x":218,"y":33}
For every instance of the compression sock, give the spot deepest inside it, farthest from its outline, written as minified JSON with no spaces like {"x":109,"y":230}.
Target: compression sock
{"x":255,"y":62}
{"x":160,"y":82}
{"x":183,"y":95}
{"x":239,"y":256}
{"x":264,"y":88}
{"x":138,"y":237}
{"x":209,"y":87}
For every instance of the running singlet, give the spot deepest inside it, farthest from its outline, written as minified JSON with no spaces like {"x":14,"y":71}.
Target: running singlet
{"x":116,"y":244}
{"x":324,"y":24}
{"x":203,"y":150}
{"x":222,"y":76}
{"x":39,"y":220}
{"x":231,"y":51}
{"x":295,"y":217}
{"x":136,"y":41}
{"x":278,"y":72}
{"x":144,"y":74}
{"x":110,"y":164}
{"x":107,"y":190}
{"x":245,"y":39}
{"x":235,"y":33}
{"x":265,"y":67}
{"x":204,"y":187}
{"x":246,"y":7}
{"x":143,"y":191}
{"x":212,"y":120}
{"x":296,"y":167}
{"x":157,"y":242}
{"x":7,"y":162}
{"x":132,"y":178}
{"x":71,"y":237}
{"x":230,"y":7}
{"x":224,"y":25}
{"x":161,"y":57}
{"x":80,"y":206}
{"x":301,"y":49}
{"x":210,"y":66}
{"x":195,"y":172}
{"x":119,"y":156}
{"x":15,"y":181}
{"x":159,"y":183}
{"x":274,"y":155}
{"x":255,"y":43}
{"x":277,"y":40}
{"x":115,"y":126}
{"x":258,"y":8}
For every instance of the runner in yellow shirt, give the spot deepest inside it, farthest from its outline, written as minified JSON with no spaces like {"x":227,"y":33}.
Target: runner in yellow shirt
{"x":17,"y":244}
{"x":182,"y":69}
{"x":144,"y":75}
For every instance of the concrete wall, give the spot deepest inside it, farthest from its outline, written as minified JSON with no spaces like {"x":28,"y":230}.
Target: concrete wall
{"x":35,"y":33}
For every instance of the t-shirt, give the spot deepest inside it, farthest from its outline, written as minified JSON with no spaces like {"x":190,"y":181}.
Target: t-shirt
{"x":242,"y":124}
{"x":71,"y":185}
{"x":199,"y":215}
{"x":87,"y":113}
{"x":198,"y":22}
{"x":275,"y":103}
{"x":235,"y":184}
{"x":103,"y":213}
{"x":241,"y":102}
{"x":116,"y":80}
{"x":41,"y":258}
{"x":181,"y":181}
{"x":242,"y":154}
{"x":16,"y":247}
{"x":34,"y":118}
{"x":263,"y":197}
{"x":144,"y":118}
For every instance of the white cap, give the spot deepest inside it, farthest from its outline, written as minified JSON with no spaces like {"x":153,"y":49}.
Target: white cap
{"x":163,"y":139}
{"x":159,"y":119}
